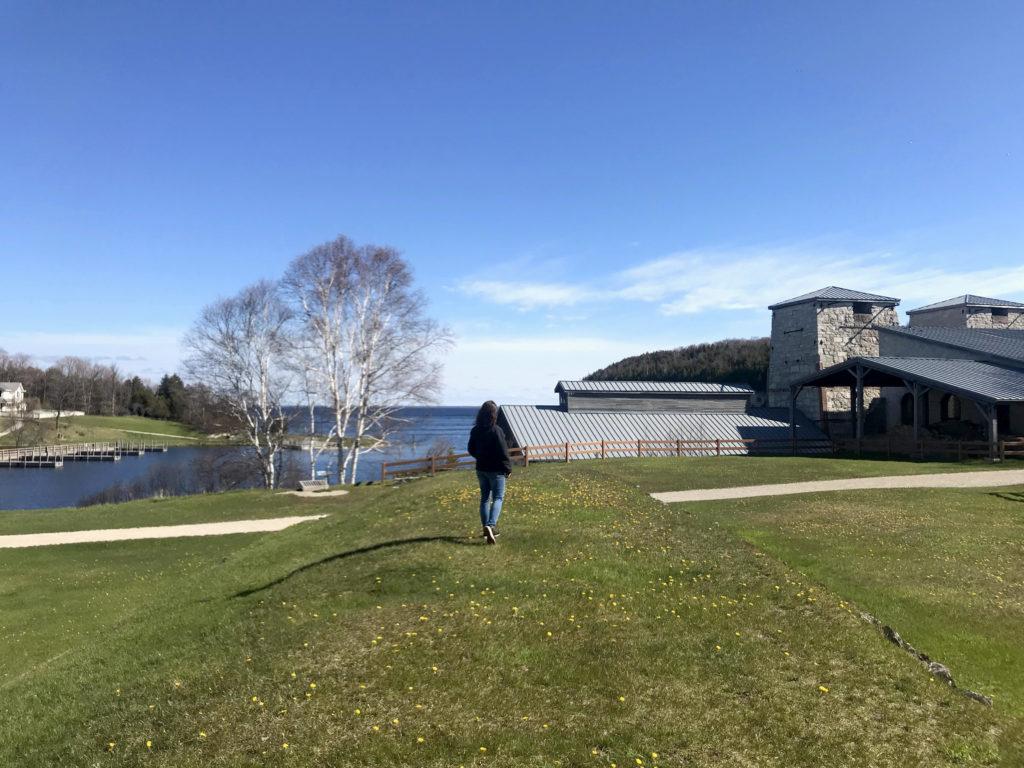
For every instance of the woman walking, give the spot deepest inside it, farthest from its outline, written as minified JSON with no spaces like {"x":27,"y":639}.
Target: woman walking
{"x":493,"y":466}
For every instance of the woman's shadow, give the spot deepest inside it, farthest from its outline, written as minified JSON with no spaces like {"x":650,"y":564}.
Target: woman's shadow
{"x":459,"y":540}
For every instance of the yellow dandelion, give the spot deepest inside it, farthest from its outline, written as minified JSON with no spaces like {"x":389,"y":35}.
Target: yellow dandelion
{"x":420,"y":739}
{"x":285,"y":745}
{"x":483,"y":749}
{"x":823,"y":689}
{"x":149,"y":743}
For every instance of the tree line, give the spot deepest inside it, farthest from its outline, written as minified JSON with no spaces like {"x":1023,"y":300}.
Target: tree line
{"x":345,"y":328}
{"x":731,"y":361}
{"x":77,"y":384}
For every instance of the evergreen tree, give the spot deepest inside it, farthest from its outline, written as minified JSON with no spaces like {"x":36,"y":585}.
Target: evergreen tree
{"x":732,"y":361}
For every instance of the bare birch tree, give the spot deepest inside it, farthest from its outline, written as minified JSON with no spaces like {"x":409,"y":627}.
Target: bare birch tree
{"x":306,"y":365}
{"x":238,"y":347}
{"x":392,"y":344}
{"x":318,"y":284}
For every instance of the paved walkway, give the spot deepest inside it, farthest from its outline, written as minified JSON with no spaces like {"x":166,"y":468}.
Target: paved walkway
{"x":154,"y":532}
{"x":988,"y":479}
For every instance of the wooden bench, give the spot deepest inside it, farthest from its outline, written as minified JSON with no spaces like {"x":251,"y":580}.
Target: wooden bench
{"x":313,"y":485}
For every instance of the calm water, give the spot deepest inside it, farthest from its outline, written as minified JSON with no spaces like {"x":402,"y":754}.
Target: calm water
{"x":197,"y":469}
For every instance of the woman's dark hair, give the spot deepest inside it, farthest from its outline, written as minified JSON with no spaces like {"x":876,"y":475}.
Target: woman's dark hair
{"x":487,"y":416}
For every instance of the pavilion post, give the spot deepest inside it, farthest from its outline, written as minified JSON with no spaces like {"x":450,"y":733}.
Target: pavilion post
{"x":993,"y":432}
{"x":859,"y":407}
{"x":793,"y":393}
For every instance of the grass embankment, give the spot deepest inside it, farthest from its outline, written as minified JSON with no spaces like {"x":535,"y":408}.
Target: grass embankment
{"x":104,"y":429}
{"x":604,"y":628}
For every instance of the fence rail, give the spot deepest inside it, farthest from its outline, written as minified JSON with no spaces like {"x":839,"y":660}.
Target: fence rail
{"x":55,"y":455}
{"x":961,"y":449}
{"x":604,"y":449}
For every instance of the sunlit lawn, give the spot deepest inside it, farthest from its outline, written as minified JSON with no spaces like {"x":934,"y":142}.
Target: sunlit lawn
{"x":604,"y":628}
{"x":99,"y":429}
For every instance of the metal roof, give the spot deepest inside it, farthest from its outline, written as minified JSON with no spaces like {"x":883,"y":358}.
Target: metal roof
{"x":547,"y":425}
{"x":8,"y":385}
{"x":968,"y":300}
{"x":971,"y":378}
{"x":1000,"y":343}
{"x":835,"y":293}
{"x":663,"y":387}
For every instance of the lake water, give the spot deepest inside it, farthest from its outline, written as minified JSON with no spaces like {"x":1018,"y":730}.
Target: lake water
{"x":193,"y":470}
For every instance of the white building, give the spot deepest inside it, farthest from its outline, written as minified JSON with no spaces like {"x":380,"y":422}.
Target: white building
{"x":12,"y":397}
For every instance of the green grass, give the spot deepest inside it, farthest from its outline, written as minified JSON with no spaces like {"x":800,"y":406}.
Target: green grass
{"x":99,"y":429}
{"x":603,"y":628}
{"x":943,"y":567}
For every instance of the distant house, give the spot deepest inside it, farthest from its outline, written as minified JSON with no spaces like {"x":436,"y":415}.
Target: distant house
{"x":631,"y":411}
{"x":12,"y":397}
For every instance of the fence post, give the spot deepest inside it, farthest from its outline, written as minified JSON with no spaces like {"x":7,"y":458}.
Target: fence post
{"x":718,"y":447}
{"x":566,"y":453}
{"x":526,"y":456}
{"x":638,"y":452}
{"x":433,"y":465}
{"x":679,"y":447}
{"x":602,"y":449}
{"x":959,"y":450}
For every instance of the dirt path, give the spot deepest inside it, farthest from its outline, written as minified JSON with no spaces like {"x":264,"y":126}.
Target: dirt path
{"x":988,"y":479}
{"x":158,"y":434}
{"x":154,"y":532}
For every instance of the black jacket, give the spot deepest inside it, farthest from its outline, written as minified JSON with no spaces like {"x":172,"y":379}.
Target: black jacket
{"x":487,"y":446}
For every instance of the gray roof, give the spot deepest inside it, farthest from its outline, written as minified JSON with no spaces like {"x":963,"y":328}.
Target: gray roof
{"x":837,"y":294}
{"x":973,"y":379}
{"x":548,"y":425}
{"x":8,"y":385}
{"x":968,"y":300}
{"x":1002,"y":344}
{"x":662,"y":387}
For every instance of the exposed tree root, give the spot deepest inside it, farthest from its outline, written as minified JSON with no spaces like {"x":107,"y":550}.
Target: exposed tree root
{"x":937,"y":670}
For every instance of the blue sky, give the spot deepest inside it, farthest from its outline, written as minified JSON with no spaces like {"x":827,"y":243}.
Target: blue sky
{"x":572,"y":182}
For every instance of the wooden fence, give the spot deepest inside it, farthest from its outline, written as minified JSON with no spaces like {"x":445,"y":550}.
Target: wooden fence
{"x":958,"y":449}
{"x":57,"y":454}
{"x":604,"y":449}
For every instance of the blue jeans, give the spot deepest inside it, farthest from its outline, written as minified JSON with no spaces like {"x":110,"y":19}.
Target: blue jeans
{"x":492,"y":493}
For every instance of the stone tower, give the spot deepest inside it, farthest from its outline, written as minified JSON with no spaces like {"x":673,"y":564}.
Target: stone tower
{"x":818,"y":330}
{"x":969,"y":311}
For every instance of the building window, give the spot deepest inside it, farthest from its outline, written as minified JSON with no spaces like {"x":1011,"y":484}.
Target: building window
{"x":950,"y":408}
{"x":861,"y":308}
{"x":1000,"y":316}
{"x":907,"y":410}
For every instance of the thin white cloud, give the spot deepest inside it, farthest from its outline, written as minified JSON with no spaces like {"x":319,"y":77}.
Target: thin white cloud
{"x":528,"y":295}
{"x":699,"y":280}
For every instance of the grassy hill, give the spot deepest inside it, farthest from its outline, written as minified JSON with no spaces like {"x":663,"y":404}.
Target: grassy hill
{"x":101,"y":429}
{"x":604,"y":629}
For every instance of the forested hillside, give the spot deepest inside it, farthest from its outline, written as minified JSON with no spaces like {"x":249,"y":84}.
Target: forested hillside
{"x":733,"y":361}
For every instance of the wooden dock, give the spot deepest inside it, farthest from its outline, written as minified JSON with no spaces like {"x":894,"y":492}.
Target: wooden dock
{"x":54,"y":456}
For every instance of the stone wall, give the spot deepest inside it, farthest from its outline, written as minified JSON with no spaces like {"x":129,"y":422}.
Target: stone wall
{"x":794,"y":354}
{"x":967,"y":317}
{"x":808,"y":337}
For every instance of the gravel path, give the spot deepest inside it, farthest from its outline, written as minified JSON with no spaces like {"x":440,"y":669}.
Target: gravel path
{"x":986,"y":479}
{"x":154,"y":532}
